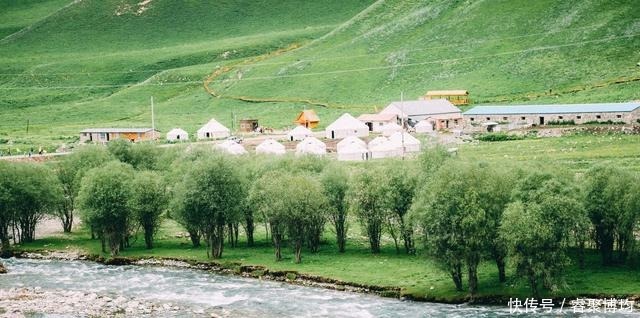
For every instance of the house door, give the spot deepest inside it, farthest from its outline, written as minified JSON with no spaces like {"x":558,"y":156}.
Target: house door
{"x":370,"y":125}
{"x":108,"y":137}
{"x":541,"y":121}
{"x":333,"y":134}
{"x":207,"y":135}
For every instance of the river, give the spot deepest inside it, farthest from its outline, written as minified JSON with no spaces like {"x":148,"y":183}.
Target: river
{"x":74,"y":288}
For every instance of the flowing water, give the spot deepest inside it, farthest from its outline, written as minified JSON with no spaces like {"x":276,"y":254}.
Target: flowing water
{"x":197,"y":291}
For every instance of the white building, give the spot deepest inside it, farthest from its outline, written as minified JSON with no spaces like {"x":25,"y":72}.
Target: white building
{"x":311,"y":146}
{"x":271,"y":147}
{"x":375,"y":122}
{"x":352,"y":149}
{"x":213,"y":130}
{"x":177,"y":134}
{"x":346,"y":126}
{"x":404,"y":139}
{"x":381,"y":147}
{"x":231,"y":147}
{"x":441,"y":111}
{"x":299,"y":133}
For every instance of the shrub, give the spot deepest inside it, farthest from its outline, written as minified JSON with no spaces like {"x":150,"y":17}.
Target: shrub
{"x":561,"y":122}
{"x":499,"y":136}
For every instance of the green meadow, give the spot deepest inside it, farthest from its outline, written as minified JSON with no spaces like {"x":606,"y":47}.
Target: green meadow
{"x":66,"y":66}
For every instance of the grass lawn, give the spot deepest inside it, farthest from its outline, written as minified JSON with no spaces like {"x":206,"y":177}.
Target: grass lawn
{"x":417,"y":276}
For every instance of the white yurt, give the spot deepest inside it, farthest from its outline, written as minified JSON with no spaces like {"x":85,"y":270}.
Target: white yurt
{"x":381,"y":147}
{"x":299,"y":133}
{"x":349,"y":141}
{"x":213,"y":129}
{"x":411,"y":144}
{"x":271,"y":147}
{"x":346,"y":126}
{"x":311,"y":146}
{"x":424,"y":126}
{"x":390,"y":129}
{"x":177,"y":134}
{"x":231,"y":147}
{"x":353,"y":151}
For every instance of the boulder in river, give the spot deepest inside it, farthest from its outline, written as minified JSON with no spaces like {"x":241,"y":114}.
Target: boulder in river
{"x":3,"y":270}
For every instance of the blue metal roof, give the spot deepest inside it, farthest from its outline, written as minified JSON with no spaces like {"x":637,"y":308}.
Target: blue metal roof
{"x":553,"y":109}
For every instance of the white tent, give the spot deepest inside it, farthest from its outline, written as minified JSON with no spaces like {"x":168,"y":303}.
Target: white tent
{"x":231,"y":147}
{"x":346,"y":126}
{"x":350,"y":141}
{"x":353,"y":151}
{"x":381,"y":147}
{"x":271,"y":146}
{"x":424,"y":126}
{"x":299,"y":133}
{"x":213,"y":129}
{"x":411,"y":144}
{"x":177,"y":134}
{"x":311,"y":146}
{"x":390,"y":129}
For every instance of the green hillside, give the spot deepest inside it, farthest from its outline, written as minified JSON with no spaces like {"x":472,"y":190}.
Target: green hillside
{"x":96,"y":63}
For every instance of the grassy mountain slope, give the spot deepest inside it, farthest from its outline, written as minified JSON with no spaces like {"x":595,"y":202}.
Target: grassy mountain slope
{"x":96,"y":63}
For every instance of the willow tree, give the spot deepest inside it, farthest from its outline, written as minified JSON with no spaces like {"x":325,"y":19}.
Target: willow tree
{"x":403,"y":181}
{"x":537,"y":228}
{"x":148,"y":202}
{"x":104,"y":199}
{"x":70,"y":171}
{"x":335,"y":182}
{"x":211,"y":197}
{"x":370,"y":195}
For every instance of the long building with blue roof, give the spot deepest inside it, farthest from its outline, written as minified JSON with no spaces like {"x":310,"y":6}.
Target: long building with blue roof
{"x":543,"y":114}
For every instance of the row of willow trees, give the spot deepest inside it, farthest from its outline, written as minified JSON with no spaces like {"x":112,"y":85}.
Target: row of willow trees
{"x":461,"y":213}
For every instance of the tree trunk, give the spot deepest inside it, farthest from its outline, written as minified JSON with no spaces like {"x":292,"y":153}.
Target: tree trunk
{"x":195,"y":238}
{"x":472,"y":269}
{"x":249,"y":228}
{"x":340,"y":234}
{"x":114,"y":243}
{"x":533,"y":284}
{"x":392,"y":232}
{"x":500,"y":262}
{"x":67,"y":222}
{"x":148,"y":238}
{"x":456,"y":275}
{"x":298,"y":251}
{"x":5,"y":250}
{"x":277,"y":241}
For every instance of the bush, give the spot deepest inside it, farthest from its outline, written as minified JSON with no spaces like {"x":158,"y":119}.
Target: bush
{"x":499,"y":136}
{"x":561,"y":122}
{"x":605,"y":122}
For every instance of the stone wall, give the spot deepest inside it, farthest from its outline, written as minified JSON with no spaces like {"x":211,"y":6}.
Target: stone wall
{"x":535,"y":119}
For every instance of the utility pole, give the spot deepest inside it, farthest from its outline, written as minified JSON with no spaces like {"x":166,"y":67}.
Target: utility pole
{"x":402,"y":121}
{"x":28,"y":126}
{"x":153,"y":121}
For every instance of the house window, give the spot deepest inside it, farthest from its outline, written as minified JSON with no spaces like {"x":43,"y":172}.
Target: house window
{"x":455,"y":121}
{"x":504,"y":118}
{"x":598,"y":116}
{"x":579,"y":117}
{"x":103,"y":136}
{"x":560,"y":117}
{"x":488,"y":118}
{"x":618,"y":116}
{"x":522,"y":118}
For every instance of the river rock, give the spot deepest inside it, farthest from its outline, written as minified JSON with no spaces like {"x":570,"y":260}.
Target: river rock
{"x":3,"y":270}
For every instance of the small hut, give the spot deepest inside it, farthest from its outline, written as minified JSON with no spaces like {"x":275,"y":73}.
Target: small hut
{"x":308,"y":118}
{"x":390,"y":129}
{"x":404,"y":140}
{"x":231,"y":147}
{"x":352,"y":149}
{"x":346,"y":126}
{"x":248,"y":125}
{"x":456,"y":97}
{"x":381,"y":147}
{"x":424,"y":126}
{"x":299,"y":133}
{"x":177,"y":134}
{"x":272,"y":147}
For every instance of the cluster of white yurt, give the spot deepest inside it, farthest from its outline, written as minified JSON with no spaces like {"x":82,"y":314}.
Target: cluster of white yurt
{"x":311,"y":146}
{"x":352,"y":149}
{"x":231,"y":147}
{"x":177,"y":134}
{"x":345,"y":126}
{"x":271,"y":147}
{"x":299,"y":133}
{"x":213,"y":130}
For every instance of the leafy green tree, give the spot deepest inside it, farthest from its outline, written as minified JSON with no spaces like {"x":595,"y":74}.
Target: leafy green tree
{"x":268,"y":200}
{"x":608,"y":200}
{"x":105,"y":197}
{"x":148,"y":202}
{"x":370,"y":194}
{"x":70,"y":171}
{"x":141,"y":156}
{"x":455,"y":223}
{"x":7,"y":205}
{"x":211,"y":196}
{"x":403,"y":181}
{"x":335,"y":182}
{"x":537,"y":228}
